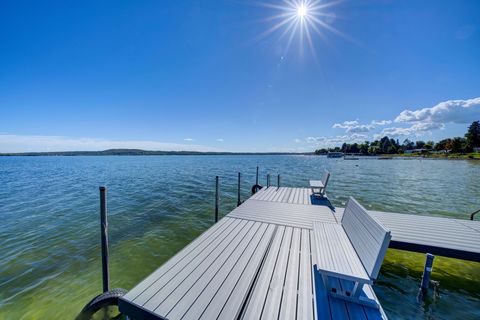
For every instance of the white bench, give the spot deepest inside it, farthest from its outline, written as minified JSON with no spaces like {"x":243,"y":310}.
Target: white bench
{"x":350,"y":254}
{"x":318,"y":186}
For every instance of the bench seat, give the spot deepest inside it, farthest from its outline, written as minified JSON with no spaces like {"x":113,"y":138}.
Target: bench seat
{"x":352,"y":250}
{"x":316,"y":184}
{"x":336,"y":256}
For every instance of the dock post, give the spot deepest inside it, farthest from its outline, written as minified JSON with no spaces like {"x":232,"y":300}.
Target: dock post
{"x":427,"y":270}
{"x":239,"y":201}
{"x":278,"y":181}
{"x":217,"y":198}
{"x":256,"y":180}
{"x":104,"y":236}
{"x":268,"y":180}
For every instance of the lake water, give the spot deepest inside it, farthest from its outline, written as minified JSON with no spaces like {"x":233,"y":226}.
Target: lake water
{"x":49,"y":233}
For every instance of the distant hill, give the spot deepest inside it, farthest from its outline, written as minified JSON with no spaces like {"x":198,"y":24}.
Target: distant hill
{"x":139,"y":152}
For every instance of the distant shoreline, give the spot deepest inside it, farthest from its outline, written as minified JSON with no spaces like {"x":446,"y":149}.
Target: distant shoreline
{"x":441,"y":156}
{"x":138,"y":152}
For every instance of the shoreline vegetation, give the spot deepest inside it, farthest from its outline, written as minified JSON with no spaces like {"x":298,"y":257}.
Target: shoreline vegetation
{"x":451,"y":148}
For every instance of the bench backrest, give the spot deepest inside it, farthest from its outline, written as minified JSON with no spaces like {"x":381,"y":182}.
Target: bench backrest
{"x":325,"y":178}
{"x":367,"y":235}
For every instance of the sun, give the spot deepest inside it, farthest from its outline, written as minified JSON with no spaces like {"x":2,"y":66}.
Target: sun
{"x":301,"y":20}
{"x":301,"y":11}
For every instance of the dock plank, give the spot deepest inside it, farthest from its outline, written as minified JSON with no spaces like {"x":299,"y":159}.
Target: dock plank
{"x":288,"y":307}
{"x":257,"y":299}
{"x":294,"y":215}
{"x":187,"y":285}
{"x":305,"y":290}
{"x":272,"y":304}
{"x":233,"y":305}
{"x":228,"y":272}
{"x":203,"y":241}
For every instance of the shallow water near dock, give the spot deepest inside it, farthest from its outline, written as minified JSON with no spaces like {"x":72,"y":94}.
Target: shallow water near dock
{"x":50,"y":235}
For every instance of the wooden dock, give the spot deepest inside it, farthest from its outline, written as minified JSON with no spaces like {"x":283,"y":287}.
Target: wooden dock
{"x":258,"y":262}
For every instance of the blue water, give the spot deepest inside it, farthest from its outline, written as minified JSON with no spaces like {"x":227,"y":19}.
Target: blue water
{"x":49,"y":235}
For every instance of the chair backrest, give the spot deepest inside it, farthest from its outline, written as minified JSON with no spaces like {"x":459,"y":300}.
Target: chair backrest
{"x":325,"y":178}
{"x":367,"y":235}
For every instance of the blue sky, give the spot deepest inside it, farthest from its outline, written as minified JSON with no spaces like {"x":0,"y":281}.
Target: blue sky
{"x":207,"y":75}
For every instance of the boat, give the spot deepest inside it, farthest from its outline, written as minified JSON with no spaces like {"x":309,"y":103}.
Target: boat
{"x":331,"y":154}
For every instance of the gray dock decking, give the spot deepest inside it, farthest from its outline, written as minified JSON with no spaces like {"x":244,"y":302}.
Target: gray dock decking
{"x":447,"y":237}
{"x":258,"y":263}
{"x":255,"y":263}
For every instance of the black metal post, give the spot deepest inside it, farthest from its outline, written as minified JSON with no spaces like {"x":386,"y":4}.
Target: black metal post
{"x":104,"y":236}
{"x":427,"y":270}
{"x":239,"y":201}
{"x":278,"y":181}
{"x":217,"y":198}
{"x":268,"y":180}
{"x":256,"y":180}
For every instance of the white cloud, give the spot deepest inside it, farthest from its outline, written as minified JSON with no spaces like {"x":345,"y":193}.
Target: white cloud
{"x":296,"y":140}
{"x":353,"y":126}
{"x":337,"y":140}
{"x":422,"y":121}
{"x":24,"y":143}
{"x":451,"y":111}
{"x":417,"y":129}
{"x":381,"y":122}
{"x":188,"y":139}
{"x":220,"y":140}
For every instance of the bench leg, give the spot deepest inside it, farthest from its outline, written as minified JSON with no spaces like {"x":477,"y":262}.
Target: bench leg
{"x":355,"y":296}
{"x":357,"y":290}
{"x":326,"y":282}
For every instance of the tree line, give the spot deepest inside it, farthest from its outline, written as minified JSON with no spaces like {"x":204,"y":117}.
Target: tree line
{"x":387,"y":145}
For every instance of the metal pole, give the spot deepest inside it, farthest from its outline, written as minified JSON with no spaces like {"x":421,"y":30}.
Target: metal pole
{"x":278,"y":181}
{"x":217,"y":198}
{"x":104,"y":236}
{"x":427,"y":270}
{"x":268,"y":180}
{"x":256,"y":181}
{"x":239,"y":201}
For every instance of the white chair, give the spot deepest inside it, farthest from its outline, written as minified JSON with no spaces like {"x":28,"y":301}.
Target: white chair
{"x":349,"y":255}
{"x":318,"y":186}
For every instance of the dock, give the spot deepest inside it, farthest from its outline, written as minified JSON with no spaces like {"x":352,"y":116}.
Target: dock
{"x":448,"y":237}
{"x":258,"y":262}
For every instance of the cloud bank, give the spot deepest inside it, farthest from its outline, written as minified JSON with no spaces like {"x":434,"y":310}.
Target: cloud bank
{"x":451,"y":111}
{"x":409,"y":123}
{"x":336,"y":140}
{"x":425,"y":120}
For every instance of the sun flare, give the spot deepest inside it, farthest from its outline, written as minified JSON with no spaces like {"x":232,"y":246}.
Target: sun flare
{"x":301,"y":20}
{"x":302,"y":10}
